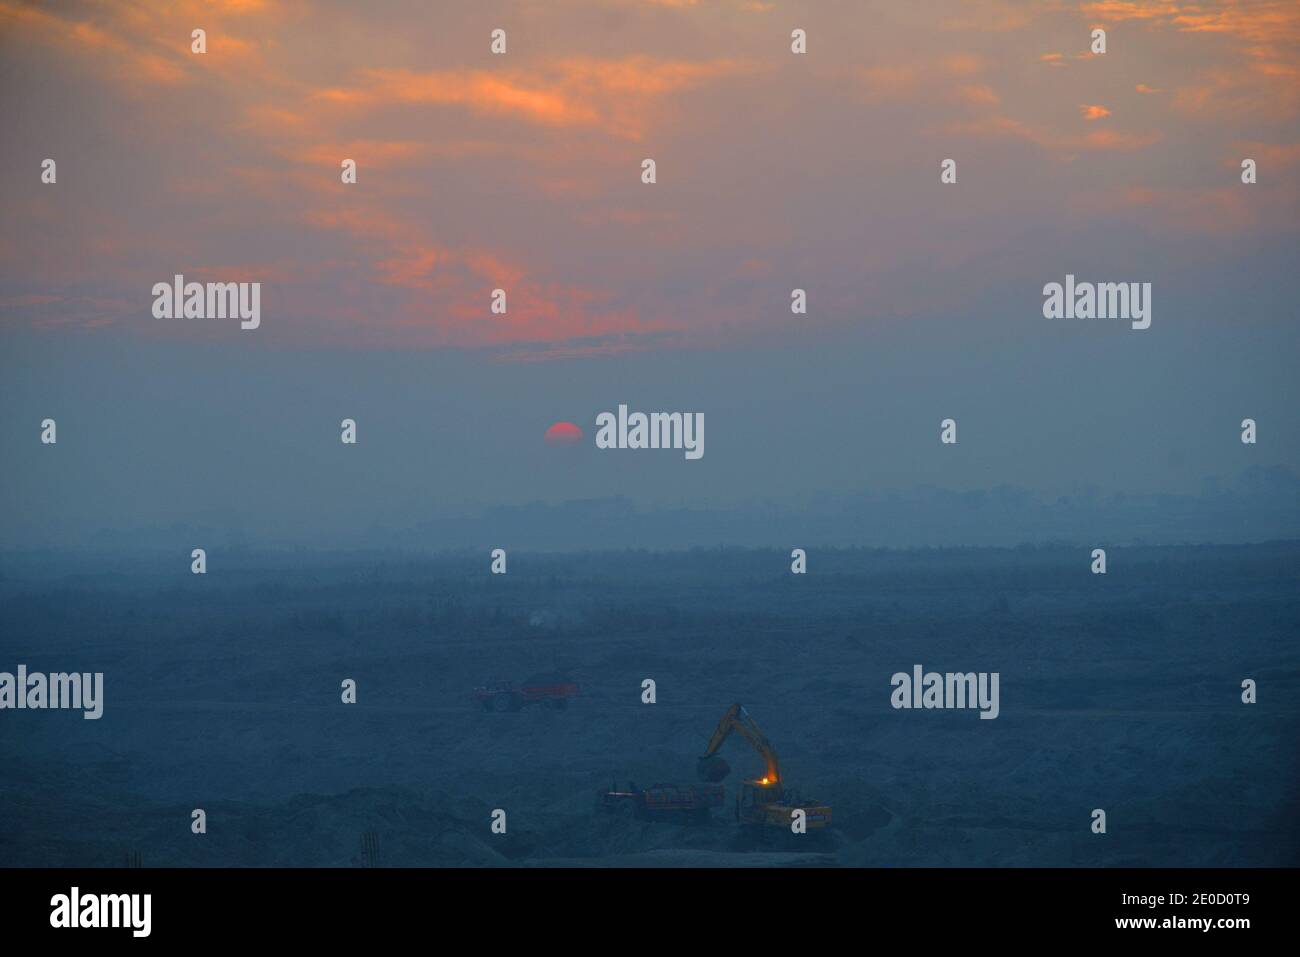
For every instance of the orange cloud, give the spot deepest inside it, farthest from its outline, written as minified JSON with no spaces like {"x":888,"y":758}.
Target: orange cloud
{"x":1130,"y":9}
{"x":886,"y":82}
{"x":1269,"y":34}
{"x":452,"y":288}
{"x":612,"y":94}
{"x":896,"y":81}
{"x":516,"y":172}
{"x":979,"y":94}
{"x":144,"y":46}
{"x":369,"y":154}
{"x":1096,"y":140}
{"x":480,"y":91}
{"x":994,"y":16}
{"x":127,"y":61}
{"x":963,"y":64}
{"x":1225,"y":92}
{"x":1268,"y":155}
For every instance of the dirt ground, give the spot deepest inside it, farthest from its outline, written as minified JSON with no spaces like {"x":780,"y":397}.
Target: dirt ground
{"x":1120,"y":692}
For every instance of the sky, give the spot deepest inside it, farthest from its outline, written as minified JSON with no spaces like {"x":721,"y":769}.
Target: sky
{"x":522,"y":171}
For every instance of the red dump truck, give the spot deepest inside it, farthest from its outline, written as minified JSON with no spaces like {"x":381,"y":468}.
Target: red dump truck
{"x":552,"y":689}
{"x":664,"y":802}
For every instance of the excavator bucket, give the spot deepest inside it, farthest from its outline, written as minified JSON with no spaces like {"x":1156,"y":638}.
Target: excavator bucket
{"x":713,"y":768}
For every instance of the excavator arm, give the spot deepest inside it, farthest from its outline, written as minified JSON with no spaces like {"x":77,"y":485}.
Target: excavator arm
{"x":712,"y":768}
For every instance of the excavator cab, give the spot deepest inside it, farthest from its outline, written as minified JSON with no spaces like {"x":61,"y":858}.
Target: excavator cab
{"x":755,"y":795}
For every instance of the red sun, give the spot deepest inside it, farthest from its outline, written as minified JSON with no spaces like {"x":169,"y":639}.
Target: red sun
{"x":563,"y":433}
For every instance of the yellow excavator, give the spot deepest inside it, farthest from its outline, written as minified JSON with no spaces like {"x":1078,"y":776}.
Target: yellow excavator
{"x":766,"y":801}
